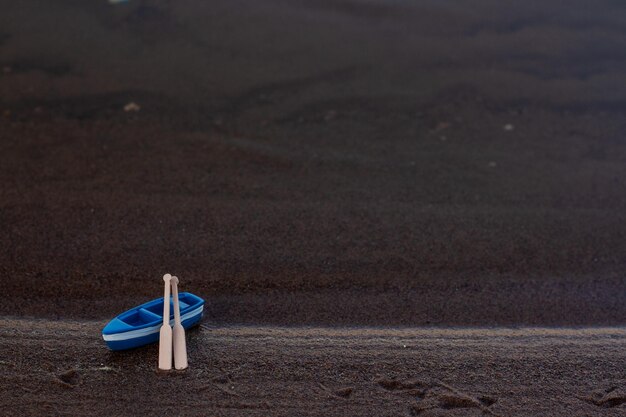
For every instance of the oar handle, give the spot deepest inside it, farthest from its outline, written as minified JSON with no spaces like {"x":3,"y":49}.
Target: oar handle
{"x":174,"y":282}
{"x":166,"y":299}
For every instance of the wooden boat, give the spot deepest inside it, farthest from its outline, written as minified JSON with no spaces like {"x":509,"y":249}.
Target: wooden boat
{"x":140,"y":326}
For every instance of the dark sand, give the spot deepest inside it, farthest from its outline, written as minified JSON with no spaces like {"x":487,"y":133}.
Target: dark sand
{"x":261,"y":371}
{"x":326,"y":163}
{"x":291,"y":155}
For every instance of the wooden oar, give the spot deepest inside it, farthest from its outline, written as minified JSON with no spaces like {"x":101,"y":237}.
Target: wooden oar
{"x":180,"y":345}
{"x":165,"y":334}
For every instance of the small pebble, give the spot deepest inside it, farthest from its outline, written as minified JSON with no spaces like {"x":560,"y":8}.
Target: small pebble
{"x":508,"y":127}
{"x":7,"y":70}
{"x":492,"y":164}
{"x":132,"y":106}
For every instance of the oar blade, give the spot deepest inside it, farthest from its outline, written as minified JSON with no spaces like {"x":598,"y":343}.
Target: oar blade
{"x":165,"y":348}
{"x":180,"y":347}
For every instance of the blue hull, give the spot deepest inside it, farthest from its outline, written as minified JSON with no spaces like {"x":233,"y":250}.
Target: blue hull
{"x":149,"y":339}
{"x":140,"y":326}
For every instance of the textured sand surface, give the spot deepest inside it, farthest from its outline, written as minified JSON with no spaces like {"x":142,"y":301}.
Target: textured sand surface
{"x":324,"y":163}
{"x":319,"y":162}
{"x":63,"y":368}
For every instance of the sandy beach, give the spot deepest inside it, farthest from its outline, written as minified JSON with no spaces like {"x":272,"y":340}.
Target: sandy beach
{"x":311,"y":371}
{"x":334,"y":178}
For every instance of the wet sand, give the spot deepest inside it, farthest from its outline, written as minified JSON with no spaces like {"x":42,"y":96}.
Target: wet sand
{"x":60,"y":368}
{"x":317,"y":163}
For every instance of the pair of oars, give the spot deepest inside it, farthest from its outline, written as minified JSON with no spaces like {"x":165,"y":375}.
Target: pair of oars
{"x":169,"y":337}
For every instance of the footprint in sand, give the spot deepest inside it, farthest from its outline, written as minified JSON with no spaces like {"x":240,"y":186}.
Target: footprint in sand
{"x":412,"y":387}
{"x":68,"y":379}
{"x":342,"y":392}
{"x":437,"y":396}
{"x":607,"y":398}
{"x":225,"y":384}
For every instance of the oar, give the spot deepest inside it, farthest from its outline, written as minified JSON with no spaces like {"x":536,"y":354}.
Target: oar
{"x":165,"y":335}
{"x":180,"y":345}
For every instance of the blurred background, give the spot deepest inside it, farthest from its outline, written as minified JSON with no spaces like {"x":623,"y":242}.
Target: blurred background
{"x":316,"y":162}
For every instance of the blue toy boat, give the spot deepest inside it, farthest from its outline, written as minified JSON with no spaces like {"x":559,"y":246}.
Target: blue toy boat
{"x":140,"y":325}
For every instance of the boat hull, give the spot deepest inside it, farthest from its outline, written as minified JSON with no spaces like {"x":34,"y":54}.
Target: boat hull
{"x":140,"y":326}
{"x":135,"y":342}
